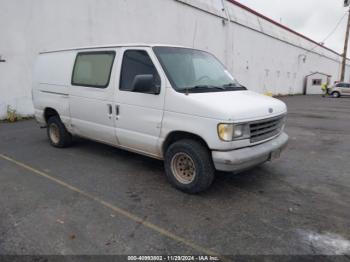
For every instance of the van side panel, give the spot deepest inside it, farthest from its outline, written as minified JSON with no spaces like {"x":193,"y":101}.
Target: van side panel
{"x":52,"y":77}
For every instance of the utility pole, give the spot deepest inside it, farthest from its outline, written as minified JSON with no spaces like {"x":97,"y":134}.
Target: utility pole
{"x":342,"y":77}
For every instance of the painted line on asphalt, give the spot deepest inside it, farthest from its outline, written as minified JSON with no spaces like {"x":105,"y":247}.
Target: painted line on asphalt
{"x":116,"y":209}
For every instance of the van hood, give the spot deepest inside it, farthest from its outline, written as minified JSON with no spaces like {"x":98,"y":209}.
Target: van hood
{"x":235,"y":106}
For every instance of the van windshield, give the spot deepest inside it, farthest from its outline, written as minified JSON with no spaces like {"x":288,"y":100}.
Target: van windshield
{"x":195,"y":71}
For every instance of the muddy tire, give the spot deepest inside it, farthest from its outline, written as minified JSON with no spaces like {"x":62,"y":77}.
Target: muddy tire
{"x":57,"y":133}
{"x":189,"y":166}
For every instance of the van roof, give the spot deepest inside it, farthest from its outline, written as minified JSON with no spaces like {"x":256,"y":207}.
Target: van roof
{"x":108,"y":46}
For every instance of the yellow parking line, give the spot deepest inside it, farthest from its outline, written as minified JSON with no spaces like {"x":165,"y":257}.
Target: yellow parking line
{"x":116,"y":209}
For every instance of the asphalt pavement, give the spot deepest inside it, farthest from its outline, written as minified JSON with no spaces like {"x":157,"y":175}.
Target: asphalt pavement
{"x":96,"y":199}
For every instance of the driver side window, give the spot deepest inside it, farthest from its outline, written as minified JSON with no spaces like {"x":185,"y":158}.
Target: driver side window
{"x":136,"y":63}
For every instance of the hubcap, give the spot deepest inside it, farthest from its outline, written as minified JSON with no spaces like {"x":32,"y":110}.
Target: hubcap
{"x":183,"y":168}
{"x":54,"y":133}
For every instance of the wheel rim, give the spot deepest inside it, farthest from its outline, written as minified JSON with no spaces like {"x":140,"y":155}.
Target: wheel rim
{"x":54,"y":133}
{"x":335,"y":94}
{"x":183,"y":168}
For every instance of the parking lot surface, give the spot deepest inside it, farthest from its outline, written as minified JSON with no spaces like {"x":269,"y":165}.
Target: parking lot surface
{"x":96,"y":199}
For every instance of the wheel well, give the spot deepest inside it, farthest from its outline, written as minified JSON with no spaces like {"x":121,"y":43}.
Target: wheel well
{"x":49,"y":112}
{"x":179,"y":135}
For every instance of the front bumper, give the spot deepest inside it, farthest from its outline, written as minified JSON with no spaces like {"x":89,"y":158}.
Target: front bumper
{"x":242,"y":159}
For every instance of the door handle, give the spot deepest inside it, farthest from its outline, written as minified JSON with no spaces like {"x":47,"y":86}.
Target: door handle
{"x":110,"y":110}
{"x":117,"y":111}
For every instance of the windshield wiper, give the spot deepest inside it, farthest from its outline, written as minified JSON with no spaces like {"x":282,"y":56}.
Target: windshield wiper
{"x":234,"y":85}
{"x":204,"y":87}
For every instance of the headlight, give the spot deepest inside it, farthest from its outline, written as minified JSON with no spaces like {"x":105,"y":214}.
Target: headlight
{"x":230,"y":132}
{"x":226,"y":131}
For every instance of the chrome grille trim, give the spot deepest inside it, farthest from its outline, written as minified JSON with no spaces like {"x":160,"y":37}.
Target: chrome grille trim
{"x":265,"y":129}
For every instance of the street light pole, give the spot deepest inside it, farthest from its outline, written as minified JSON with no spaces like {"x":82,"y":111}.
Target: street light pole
{"x":342,"y":76}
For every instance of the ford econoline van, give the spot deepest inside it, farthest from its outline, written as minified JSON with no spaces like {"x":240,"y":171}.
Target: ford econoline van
{"x":176,"y":104}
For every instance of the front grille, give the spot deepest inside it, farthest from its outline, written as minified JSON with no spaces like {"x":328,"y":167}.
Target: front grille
{"x":265,"y":129}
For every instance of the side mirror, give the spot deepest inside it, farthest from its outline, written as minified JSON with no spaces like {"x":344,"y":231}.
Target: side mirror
{"x":145,"y":84}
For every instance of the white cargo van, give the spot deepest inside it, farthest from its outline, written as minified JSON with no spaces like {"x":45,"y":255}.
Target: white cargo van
{"x":177,"y":104}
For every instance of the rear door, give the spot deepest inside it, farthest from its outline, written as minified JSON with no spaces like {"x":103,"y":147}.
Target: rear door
{"x":139,"y":115}
{"x":91,"y":97}
{"x":346,"y":89}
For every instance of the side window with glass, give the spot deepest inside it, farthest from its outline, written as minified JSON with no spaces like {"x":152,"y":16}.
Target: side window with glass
{"x":342,"y":85}
{"x":138,"y":73}
{"x":93,"y":69}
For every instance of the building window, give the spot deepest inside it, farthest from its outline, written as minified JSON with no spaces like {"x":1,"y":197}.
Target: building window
{"x":316,"y":82}
{"x":93,"y":69}
{"x":136,"y":62}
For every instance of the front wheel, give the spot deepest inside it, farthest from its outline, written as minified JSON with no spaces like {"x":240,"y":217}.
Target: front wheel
{"x":57,"y":133}
{"x":189,"y":166}
{"x":336,"y":94}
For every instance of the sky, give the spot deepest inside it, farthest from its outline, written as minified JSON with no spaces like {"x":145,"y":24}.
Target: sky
{"x":314,"y":18}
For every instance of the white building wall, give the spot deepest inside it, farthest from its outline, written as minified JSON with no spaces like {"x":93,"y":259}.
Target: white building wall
{"x":248,"y":45}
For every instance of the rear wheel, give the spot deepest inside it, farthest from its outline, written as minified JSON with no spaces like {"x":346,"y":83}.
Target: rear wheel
{"x":189,"y":166}
{"x":336,"y":94}
{"x":57,"y":133}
